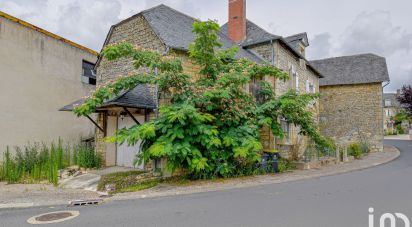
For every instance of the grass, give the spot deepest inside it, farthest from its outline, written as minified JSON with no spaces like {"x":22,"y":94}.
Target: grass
{"x":124,"y":181}
{"x":139,"y":186}
{"x":38,"y":162}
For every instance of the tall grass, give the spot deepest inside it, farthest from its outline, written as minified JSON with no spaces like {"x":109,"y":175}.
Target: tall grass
{"x":38,"y":162}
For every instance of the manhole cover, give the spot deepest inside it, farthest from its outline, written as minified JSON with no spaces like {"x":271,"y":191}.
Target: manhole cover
{"x":53,"y":217}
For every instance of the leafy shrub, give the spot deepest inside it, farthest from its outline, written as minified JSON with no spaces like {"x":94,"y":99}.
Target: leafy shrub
{"x":211,"y":127}
{"x":355,"y":150}
{"x":399,"y":129}
{"x":285,"y":165}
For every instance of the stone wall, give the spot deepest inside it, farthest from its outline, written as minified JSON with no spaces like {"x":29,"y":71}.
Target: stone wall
{"x":352,"y":113}
{"x":137,"y":32}
{"x":283,"y":58}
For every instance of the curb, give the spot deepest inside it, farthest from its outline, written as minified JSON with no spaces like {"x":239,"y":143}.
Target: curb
{"x":258,"y":181}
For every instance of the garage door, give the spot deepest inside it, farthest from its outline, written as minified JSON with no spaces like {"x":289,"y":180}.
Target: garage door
{"x":126,"y":154}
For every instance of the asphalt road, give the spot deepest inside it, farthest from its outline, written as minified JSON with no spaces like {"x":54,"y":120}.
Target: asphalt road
{"x":332,"y":201}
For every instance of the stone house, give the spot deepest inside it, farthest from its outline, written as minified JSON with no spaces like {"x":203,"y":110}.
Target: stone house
{"x":391,"y":107}
{"x":351,"y":91}
{"x":41,"y":71}
{"x":168,"y":31}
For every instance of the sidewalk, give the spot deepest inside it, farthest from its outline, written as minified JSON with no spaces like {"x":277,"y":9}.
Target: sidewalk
{"x":399,"y":137}
{"x":29,"y":195}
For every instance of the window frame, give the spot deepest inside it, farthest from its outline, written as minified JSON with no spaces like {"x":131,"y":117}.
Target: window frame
{"x":88,"y":78}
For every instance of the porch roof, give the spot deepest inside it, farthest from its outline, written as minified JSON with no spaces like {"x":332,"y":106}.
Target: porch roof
{"x":138,"y":97}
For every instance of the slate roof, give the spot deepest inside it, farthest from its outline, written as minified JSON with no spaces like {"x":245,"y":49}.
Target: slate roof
{"x":355,"y":69}
{"x":138,"y":97}
{"x":256,"y":35}
{"x":392,"y":97}
{"x":174,"y":29}
{"x":297,"y":39}
{"x":71,"y":106}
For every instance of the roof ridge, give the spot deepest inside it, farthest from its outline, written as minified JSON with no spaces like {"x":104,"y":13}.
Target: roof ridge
{"x":45,"y":32}
{"x":175,"y":10}
{"x":348,"y":56}
{"x":247,"y":20}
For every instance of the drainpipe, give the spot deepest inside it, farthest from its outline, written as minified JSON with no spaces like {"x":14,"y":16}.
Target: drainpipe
{"x":273,"y":52}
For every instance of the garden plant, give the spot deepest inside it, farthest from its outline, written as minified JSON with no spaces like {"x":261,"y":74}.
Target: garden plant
{"x":211,"y":126}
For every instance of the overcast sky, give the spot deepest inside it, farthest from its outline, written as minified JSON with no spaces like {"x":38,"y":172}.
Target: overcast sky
{"x":334,"y":27}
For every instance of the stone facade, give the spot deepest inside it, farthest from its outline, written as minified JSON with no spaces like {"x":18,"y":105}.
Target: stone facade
{"x":136,"y":31}
{"x":352,"y":113}
{"x":285,"y":60}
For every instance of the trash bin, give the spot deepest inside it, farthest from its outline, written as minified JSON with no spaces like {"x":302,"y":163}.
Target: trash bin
{"x":274,"y":158}
{"x":270,"y":162}
{"x":264,"y":162}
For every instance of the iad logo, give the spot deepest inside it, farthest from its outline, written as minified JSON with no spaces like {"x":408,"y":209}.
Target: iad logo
{"x":388,"y":218}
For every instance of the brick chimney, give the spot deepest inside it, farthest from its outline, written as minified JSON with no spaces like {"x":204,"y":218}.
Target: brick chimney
{"x":237,"y":20}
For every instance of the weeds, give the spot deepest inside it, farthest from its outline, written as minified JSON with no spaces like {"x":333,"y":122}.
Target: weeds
{"x":38,"y":162}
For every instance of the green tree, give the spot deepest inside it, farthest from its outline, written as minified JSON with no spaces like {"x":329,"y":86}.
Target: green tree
{"x":211,"y":127}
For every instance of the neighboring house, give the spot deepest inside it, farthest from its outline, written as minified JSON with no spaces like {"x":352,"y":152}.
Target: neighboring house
{"x":168,"y":31}
{"x":351,"y":98}
{"x":391,"y":107}
{"x":41,"y":71}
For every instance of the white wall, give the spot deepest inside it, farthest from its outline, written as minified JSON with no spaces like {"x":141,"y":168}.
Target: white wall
{"x":38,"y":75}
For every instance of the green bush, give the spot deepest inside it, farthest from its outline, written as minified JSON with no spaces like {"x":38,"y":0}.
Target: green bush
{"x":355,"y":150}
{"x":38,"y":162}
{"x":285,"y":165}
{"x":212,"y":126}
{"x":399,"y":129}
{"x":364,"y":146}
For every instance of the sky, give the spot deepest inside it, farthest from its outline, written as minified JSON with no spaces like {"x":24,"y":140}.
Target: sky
{"x":334,"y":27}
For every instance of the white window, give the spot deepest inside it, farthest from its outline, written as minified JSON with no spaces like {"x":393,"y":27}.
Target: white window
{"x":307,"y":86}
{"x":296,"y":81}
{"x":285,"y":125}
{"x":312,"y":88}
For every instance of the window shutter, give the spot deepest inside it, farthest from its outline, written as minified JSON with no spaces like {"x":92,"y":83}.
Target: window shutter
{"x":307,"y":86}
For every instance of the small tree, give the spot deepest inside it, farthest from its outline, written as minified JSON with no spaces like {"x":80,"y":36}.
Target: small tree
{"x":211,"y":127}
{"x":405,"y":99}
